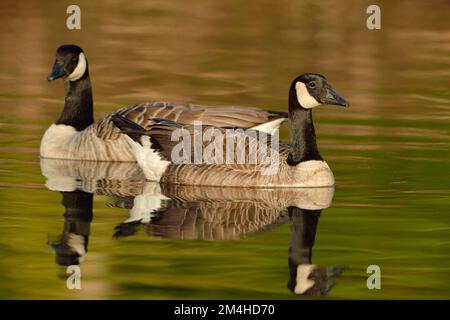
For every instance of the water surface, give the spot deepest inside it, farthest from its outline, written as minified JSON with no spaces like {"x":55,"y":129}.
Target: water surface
{"x":389,"y":152}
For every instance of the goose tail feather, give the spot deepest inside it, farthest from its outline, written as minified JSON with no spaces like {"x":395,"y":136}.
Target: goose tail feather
{"x":128,"y":127}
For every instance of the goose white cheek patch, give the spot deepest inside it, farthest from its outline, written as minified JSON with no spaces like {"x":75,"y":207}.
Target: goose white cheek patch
{"x":306,"y":100}
{"x":80,"y":69}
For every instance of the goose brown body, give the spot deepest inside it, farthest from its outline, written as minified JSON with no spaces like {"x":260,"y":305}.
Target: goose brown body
{"x":241,"y":171}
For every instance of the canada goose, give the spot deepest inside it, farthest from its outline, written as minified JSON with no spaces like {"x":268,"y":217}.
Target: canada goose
{"x":297,"y":165}
{"x":76,"y":136}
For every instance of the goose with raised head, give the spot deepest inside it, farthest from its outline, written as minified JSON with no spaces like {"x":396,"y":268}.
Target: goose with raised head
{"x":296,"y":165}
{"x":76,"y":136}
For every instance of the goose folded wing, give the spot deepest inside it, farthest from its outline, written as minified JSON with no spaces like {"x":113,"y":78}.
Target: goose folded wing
{"x":236,"y":149}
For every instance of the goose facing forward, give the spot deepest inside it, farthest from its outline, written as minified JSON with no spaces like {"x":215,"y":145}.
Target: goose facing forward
{"x":76,"y":136}
{"x":298,"y":164}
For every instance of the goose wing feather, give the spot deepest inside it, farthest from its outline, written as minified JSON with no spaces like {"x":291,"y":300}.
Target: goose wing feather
{"x":241,"y":160}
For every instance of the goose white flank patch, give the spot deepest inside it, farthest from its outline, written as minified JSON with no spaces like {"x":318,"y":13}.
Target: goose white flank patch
{"x":76,"y":136}
{"x":298,"y":164}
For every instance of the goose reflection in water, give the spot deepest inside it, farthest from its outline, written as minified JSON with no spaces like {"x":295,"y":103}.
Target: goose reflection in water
{"x":306,"y":278}
{"x":189,"y":213}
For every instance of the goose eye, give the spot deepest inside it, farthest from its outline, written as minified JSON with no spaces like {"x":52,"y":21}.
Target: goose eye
{"x":312,"y":85}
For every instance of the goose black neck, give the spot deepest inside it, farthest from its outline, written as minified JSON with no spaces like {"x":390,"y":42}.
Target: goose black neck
{"x":78,"y":109}
{"x":303,"y":136}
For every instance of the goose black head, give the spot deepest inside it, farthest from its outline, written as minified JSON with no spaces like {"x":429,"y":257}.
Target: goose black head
{"x":311,"y":90}
{"x":70,"y":63}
